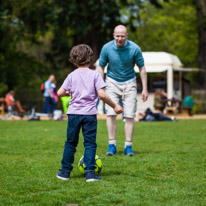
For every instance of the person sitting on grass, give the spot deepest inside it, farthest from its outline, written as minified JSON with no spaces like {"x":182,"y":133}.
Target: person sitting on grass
{"x":85,"y":86}
{"x":150,"y":116}
{"x":12,"y":104}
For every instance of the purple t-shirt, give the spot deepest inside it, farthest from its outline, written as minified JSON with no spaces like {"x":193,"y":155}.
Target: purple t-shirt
{"x":83,"y":85}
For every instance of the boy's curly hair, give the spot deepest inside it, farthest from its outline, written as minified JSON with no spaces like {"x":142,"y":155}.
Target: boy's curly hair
{"x":81,"y":55}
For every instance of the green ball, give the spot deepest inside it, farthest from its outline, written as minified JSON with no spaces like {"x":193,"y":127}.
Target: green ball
{"x":98,"y":165}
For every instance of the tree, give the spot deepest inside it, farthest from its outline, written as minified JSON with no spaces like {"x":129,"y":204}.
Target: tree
{"x":171,"y":29}
{"x":200,"y":6}
{"x":192,"y":31}
{"x":36,"y":36}
{"x":201,"y":25}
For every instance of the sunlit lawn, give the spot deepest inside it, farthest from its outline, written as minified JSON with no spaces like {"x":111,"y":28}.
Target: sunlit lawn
{"x":169,"y":167}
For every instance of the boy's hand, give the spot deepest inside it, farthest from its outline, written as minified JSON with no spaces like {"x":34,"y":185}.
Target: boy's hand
{"x":118,"y":109}
{"x":67,"y":93}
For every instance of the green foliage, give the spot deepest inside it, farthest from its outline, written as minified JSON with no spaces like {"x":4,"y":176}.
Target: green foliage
{"x":36,"y":36}
{"x":172,"y":29}
{"x":3,"y":89}
{"x":168,"y":168}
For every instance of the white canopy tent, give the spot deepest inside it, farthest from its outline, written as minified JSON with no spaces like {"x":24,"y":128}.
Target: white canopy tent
{"x":163,"y":62}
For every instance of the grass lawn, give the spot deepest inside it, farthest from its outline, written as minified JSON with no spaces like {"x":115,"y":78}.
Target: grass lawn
{"x":169,"y":167}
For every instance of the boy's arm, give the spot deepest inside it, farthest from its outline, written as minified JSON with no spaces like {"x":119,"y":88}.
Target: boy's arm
{"x":62,"y":92}
{"x":103,"y":96}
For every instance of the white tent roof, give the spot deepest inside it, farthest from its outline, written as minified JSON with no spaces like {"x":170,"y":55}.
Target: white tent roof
{"x":159,"y":61}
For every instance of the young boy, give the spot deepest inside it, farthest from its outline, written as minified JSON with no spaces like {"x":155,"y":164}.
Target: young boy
{"x":85,"y":86}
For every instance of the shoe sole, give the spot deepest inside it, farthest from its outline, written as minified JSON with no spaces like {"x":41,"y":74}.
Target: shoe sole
{"x":129,"y":154}
{"x":93,"y":180}
{"x":62,"y":178}
{"x":110,"y":154}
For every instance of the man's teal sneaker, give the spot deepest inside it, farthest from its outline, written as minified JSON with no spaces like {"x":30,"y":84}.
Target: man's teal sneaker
{"x":128,"y":151}
{"x":112,"y":150}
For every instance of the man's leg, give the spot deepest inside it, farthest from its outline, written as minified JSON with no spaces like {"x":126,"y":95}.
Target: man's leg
{"x":53,"y":105}
{"x":46,"y":104}
{"x":129,"y":129}
{"x":130,"y":105}
{"x":164,"y":118}
{"x":111,"y":128}
{"x":114,"y":92}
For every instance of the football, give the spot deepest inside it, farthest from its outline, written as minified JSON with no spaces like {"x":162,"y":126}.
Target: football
{"x":98,"y":165}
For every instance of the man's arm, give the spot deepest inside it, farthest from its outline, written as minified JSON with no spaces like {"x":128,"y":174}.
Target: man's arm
{"x":143,"y":75}
{"x":100,"y":69}
{"x":50,"y":93}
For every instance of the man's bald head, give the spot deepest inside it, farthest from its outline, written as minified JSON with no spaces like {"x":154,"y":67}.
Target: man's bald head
{"x":120,"y":35}
{"x":120,"y":28}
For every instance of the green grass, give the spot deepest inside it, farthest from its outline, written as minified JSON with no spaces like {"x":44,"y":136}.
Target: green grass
{"x":169,"y":167}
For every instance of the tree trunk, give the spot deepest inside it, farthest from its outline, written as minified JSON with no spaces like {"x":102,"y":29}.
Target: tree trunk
{"x":201,"y":23}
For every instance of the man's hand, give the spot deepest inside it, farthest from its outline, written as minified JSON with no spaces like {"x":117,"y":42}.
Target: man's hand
{"x":118,"y":109}
{"x":144,"y":95}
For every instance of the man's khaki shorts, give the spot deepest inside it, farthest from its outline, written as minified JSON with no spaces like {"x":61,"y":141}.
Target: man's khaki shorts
{"x":128,"y":93}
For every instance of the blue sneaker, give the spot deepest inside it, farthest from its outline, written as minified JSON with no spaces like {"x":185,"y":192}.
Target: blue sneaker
{"x":63,"y":175}
{"x":112,"y":150}
{"x":92,"y":177}
{"x":128,"y":151}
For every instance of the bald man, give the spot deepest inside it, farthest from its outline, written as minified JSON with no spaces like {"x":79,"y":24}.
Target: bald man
{"x":121,"y":55}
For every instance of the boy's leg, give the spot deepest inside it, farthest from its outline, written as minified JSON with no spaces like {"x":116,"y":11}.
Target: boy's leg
{"x":89,"y":130}
{"x":73,"y":129}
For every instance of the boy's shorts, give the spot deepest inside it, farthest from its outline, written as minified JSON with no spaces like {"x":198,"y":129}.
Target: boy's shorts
{"x":128,"y":93}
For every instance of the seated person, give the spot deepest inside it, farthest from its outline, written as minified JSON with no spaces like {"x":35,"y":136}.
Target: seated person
{"x":160,"y":100}
{"x":12,"y":104}
{"x":150,"y":116}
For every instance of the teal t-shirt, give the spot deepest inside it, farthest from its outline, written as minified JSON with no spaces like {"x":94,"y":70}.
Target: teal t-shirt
{"x":121,"y":60}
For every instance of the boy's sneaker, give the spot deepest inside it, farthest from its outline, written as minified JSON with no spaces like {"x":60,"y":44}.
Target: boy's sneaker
{"x":63,"y":175}
{"x":128,"y":151}
{"x":92,"y":177}
{"x":112,"y":150}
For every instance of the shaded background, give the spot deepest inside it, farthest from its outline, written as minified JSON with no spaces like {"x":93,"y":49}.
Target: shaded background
{"x":36,"y":37}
